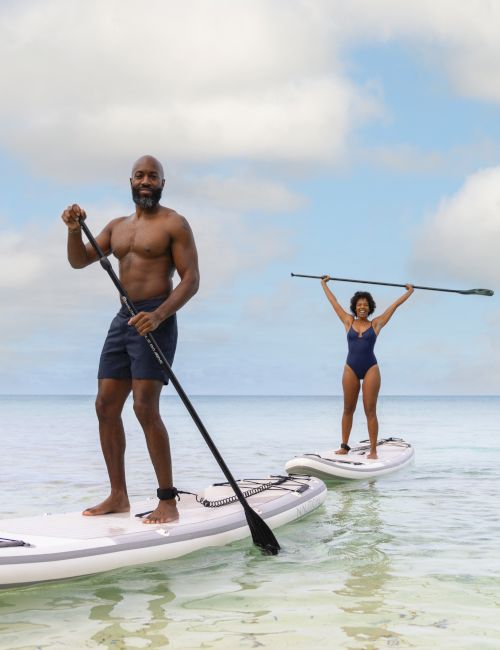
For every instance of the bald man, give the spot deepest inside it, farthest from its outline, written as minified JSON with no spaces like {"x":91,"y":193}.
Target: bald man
{"x":150,"y":244}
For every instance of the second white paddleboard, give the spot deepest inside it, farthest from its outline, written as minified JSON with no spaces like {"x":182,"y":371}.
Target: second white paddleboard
{"x":393,"y":454}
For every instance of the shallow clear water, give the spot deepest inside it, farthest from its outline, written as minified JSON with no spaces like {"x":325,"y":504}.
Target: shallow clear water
{"x":410,"y":560}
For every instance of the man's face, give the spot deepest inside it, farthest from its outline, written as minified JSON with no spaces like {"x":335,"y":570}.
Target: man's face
{"x":147,"y":184}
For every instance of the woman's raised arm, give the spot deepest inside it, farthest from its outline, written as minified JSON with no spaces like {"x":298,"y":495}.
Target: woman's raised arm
{"x":344,"y":316}
{"x":382,"y":320}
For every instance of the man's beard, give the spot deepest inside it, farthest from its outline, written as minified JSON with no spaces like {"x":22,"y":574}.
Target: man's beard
{"x":146,"y":202}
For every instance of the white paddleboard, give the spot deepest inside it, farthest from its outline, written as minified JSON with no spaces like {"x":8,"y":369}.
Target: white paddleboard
{"x":56,"y":546}
{"x":393,"y":454}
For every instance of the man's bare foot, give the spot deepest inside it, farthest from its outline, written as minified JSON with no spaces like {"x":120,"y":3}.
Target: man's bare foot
{"x":108,"y":506}
{"x":342,"y":452}
{"x":372,"y":455}
{"x":164,"y":513}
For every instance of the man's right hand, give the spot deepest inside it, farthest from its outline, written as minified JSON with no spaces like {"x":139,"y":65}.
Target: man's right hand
{"x":72,"y":215}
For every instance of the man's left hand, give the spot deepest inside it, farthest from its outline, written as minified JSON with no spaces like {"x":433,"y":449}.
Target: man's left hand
{"x":145,"y":322}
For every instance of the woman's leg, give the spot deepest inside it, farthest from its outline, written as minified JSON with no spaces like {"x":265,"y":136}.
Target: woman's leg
{"x":350,"y":386}
{"x":371,"y":387}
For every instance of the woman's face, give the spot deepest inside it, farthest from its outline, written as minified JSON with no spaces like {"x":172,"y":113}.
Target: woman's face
{"x":362,"y":308}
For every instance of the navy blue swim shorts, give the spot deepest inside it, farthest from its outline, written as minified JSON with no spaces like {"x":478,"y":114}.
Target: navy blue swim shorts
{"x":126,"y":355}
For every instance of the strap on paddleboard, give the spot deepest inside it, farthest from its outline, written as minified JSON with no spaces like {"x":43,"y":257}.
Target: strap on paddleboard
{"x":336,"y":460}
{"x":250,"y":487}
{"x":259,"y":487}
{"x":6,"y":542}
{"x":398,"y":442}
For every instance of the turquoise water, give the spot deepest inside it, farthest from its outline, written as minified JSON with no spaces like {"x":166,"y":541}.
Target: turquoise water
{"x":410,"y":560}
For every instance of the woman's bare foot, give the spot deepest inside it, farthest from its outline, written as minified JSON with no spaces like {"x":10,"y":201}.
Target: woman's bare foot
{"x":372,"y":455}
{"x":110,"y":505}
{"x":164,"y":513}
{"x":341,"y":451}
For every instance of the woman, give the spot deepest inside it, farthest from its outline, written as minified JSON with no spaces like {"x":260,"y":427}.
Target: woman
{"x":361,"y":364}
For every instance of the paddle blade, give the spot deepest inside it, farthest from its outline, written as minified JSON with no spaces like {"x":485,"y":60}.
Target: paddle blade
{"x":478,"y":292}
{"x":262,"y":535}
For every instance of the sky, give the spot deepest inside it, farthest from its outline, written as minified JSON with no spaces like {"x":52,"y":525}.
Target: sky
{"x":359,"y":140}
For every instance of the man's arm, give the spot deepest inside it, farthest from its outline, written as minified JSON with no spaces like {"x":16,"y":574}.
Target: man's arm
{"x":185,"y":258}
{"x":81,"y":255}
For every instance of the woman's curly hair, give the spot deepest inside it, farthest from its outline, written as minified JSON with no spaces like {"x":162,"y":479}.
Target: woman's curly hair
{"x":363,"y":294}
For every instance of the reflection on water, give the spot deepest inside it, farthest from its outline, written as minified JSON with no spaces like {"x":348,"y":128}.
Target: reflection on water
{"x":145,"y":625}
{"x":363,"y":592}
{"x":336,"y":583}
{"x":409,"y":560}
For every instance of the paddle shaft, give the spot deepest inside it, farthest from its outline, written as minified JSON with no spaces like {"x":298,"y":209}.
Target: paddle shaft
{"x":269,"y":543}
{"x":479,"y":292}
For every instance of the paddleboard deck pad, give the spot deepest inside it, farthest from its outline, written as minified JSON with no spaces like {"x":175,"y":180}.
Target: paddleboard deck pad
{"x":393,"y":454}
{"x":57,"y":546}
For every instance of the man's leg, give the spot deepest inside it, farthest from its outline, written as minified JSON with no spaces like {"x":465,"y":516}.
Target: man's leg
{"x":111,"y":397}
{"x":146,"y":394}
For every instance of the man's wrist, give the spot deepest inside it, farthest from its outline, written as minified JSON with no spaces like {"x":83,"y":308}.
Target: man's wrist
{"x":161,"y":316}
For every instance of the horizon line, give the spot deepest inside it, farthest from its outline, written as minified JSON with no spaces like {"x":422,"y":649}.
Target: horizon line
{"x":195,"y":395}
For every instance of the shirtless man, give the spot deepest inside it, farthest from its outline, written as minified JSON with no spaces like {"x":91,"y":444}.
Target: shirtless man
{"x":150,"y":245}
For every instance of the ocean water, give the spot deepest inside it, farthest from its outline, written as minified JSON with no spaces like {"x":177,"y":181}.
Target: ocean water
{"x":411,"y":560}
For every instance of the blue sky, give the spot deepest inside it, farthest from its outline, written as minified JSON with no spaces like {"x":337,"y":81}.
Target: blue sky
{"x":361,"y":141}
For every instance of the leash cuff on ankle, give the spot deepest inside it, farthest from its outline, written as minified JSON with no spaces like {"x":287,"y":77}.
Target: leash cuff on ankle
{"x":164,"y":494}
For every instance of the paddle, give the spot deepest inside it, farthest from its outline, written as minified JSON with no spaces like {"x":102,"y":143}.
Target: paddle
{"x":465,"y":292}
{"x":261,"y":533}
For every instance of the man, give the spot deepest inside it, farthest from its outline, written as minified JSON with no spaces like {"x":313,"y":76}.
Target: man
{"x":150,"y":245}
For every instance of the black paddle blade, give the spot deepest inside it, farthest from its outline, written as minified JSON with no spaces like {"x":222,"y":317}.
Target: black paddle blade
{"x":483,"y":292}
{"x":476,"y":292}
{"x":262,"y":535}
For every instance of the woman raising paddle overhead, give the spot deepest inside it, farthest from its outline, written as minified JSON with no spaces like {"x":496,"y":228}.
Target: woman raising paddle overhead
{"x":361,"y":364}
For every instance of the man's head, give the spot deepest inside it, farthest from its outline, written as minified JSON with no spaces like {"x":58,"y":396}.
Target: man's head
{"x":147,"y":182}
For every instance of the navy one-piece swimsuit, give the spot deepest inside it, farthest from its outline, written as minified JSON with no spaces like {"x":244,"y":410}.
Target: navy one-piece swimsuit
{"x":360,"y":357}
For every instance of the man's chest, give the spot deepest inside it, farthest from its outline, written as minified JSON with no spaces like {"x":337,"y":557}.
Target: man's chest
{"x":143,"y":239}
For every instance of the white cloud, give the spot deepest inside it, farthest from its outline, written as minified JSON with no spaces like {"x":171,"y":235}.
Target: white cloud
{"x":460,"y":37}
{"x":18,"y":268}
{"x":461,"y":238}
{"x":37,"y":282}
{"x":404,"y":159}
{"x":230,"y":245}
{"x":458,"y":160}
{"x":89,"y":84}
{"x":243,"y":192}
